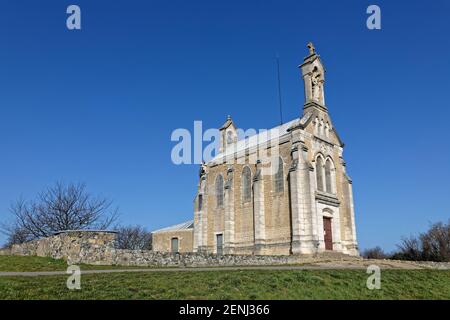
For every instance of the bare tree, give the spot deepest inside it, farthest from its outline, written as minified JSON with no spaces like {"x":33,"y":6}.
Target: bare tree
{"x":409,"y":249}
{"x":15,"y":235}
{"x":134,"y":238}
{"x":433,"y":245}
{"x":436,"y":243}
{"x":60,"y":207}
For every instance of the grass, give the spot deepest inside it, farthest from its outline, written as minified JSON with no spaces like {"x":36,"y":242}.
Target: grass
{"x":244,"y":284}
{"x":248,"y":284}
{"x":31,"y":263}
{"x":19,"y":263}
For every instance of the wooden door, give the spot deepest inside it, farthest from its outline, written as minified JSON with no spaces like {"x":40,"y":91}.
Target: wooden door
{"x":327,"y":234}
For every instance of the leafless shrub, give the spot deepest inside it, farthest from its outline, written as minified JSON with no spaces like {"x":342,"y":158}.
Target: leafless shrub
{"x":134,"y":238}
{"x":375,"y":253}
{"x":433,"y":245}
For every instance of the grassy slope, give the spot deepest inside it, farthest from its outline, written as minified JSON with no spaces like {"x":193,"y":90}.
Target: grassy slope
{"x":19,"y":263}
{"x":298,"y":284}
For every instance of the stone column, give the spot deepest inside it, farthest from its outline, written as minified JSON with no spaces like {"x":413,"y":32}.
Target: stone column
{"x":197,"y":224}
{"x":314,"y":218}
{"x":303,"y":240}
{"x":197,"y":227}
{"x":354,"y":243}
{"x":307,"y":86}
{"x":228,"y":246}
{"x":203,"y":216}
{"x":350,"y":242}
{"x":258,"y":210}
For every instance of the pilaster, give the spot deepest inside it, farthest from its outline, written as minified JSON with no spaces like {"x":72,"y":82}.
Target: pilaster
{"x":229,"y":214}
{"x":300,"y":193}
{"x":259,"y":213}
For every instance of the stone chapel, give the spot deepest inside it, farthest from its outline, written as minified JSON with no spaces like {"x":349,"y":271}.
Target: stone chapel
{"x":299,"y":202}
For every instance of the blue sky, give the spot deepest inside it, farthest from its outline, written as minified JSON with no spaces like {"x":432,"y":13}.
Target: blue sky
{"x":99,"y":105}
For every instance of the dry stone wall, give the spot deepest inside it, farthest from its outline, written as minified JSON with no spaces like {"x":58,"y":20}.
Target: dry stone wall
{"x":91,"y":247}
{"x":97,"y":247}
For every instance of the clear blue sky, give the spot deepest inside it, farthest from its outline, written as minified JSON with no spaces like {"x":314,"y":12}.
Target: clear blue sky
{"x":99,"y":105}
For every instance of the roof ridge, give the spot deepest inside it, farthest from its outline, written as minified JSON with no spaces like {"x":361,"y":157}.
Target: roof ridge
{"x":180,"y":226}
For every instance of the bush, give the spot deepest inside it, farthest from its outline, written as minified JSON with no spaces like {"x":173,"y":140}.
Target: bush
{"x":433,"y":245}
{"x":374,"y":253}
{"x":134,"y":238}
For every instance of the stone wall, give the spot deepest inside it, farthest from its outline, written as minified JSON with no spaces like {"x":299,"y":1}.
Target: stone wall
{"x":97,"y":247}
{"x":164,"y":259}
{"x":77,"y":246}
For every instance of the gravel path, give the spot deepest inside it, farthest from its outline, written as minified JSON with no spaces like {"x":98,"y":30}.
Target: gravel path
{"x":326,"y":265}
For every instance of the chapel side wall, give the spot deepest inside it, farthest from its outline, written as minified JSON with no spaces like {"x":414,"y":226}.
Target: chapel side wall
{"x":244,"y":211}
{"x":215,"y":214}
{"x":277,"y":208}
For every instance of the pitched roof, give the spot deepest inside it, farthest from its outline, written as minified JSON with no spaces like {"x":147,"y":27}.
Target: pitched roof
{"x":227,"y":123}
{"x":181,"y":226}
{"x":257,"y":139}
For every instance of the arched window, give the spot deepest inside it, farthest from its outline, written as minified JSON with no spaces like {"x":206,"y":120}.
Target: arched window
{"x":246,"y":184}
{"x":219,"y":190}
{"x":319,"y":173}
{"x":279,"y":175}
{"x":328,"y":182}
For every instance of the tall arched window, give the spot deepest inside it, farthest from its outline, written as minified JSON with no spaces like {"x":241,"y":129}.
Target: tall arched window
{"x":246,"y":184}
{"x":219,"y":190}
{"x":279,"y":176}
{"x":319,"y":173}
{"x":328,"y":182}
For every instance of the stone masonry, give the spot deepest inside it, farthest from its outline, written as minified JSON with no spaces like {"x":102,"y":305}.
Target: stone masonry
{"x":97,"y":247}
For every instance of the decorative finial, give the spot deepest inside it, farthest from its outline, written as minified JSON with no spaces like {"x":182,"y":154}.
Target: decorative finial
{"x":228,"y":117}
{"x":312,"y":49}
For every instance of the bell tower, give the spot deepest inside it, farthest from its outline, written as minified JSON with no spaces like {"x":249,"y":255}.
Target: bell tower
{"x":313,"y":74}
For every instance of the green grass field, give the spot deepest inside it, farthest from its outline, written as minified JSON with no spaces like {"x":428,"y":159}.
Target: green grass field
{"x":20,"y":263}
{"x":247,"y":284}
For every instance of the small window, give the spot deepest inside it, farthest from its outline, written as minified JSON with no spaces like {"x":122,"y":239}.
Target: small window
{"x":279,"y":176}
{"x":174,"y":245}
{"x":200,"y":202}
{"x":229,"y":137}
{"x":219,"y":248}
{"x":246,"y":184}
{"x":219,"y":190}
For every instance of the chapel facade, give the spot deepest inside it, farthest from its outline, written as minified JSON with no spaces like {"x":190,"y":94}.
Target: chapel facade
{"x":280,"y":192}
